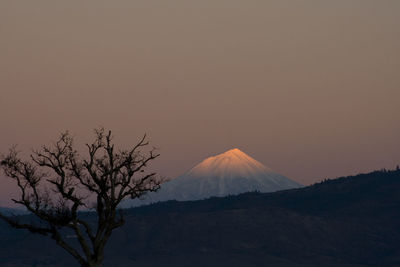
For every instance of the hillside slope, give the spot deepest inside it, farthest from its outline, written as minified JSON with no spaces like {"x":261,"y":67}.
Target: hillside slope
{"x":351,"y":221}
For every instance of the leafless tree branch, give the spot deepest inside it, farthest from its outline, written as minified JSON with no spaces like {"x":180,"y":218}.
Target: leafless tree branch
{"x":57,"y":183}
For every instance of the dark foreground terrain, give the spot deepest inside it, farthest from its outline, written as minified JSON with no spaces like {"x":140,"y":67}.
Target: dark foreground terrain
{"x":350,"y":221}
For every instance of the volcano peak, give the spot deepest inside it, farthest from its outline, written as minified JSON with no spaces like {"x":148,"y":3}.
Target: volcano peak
{"x":232,"y":163}
{"x":229,"y":173}
{"x":234,"y":151}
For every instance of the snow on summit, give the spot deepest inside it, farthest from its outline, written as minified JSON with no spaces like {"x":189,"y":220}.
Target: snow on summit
{"x":232,"y":163}
{"x":229,"y":173}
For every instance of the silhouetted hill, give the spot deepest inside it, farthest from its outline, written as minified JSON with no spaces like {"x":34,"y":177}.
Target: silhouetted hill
{"x":349,"y":221}
{"x":12,"y":212}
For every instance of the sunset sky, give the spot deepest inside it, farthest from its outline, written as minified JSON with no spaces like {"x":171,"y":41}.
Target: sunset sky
{"x":309,"y":88}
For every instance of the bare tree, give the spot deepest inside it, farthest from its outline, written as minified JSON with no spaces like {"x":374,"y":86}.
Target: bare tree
{"x":56,"y":183}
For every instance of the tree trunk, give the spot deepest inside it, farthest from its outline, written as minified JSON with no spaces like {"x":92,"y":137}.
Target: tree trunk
{"x":93,"y":264}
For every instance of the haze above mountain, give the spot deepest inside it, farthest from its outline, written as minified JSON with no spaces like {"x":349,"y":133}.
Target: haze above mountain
{"x":229,"y":173}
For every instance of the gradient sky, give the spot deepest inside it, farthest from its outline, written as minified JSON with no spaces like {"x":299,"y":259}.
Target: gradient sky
{"x":309,"y":88}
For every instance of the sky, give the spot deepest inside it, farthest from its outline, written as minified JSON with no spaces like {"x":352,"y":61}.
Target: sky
{"x":309,"y":88}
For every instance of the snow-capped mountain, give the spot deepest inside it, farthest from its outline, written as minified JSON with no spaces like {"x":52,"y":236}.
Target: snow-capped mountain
{"x":229,"y":173}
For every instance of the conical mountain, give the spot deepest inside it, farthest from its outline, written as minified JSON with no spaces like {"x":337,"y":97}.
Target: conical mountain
{"x":232,"y":163}
{"x":229,"y":173}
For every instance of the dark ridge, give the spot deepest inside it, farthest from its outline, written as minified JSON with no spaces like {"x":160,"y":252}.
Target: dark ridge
{"x":348,"y":221}
{"x":331,"y":196}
